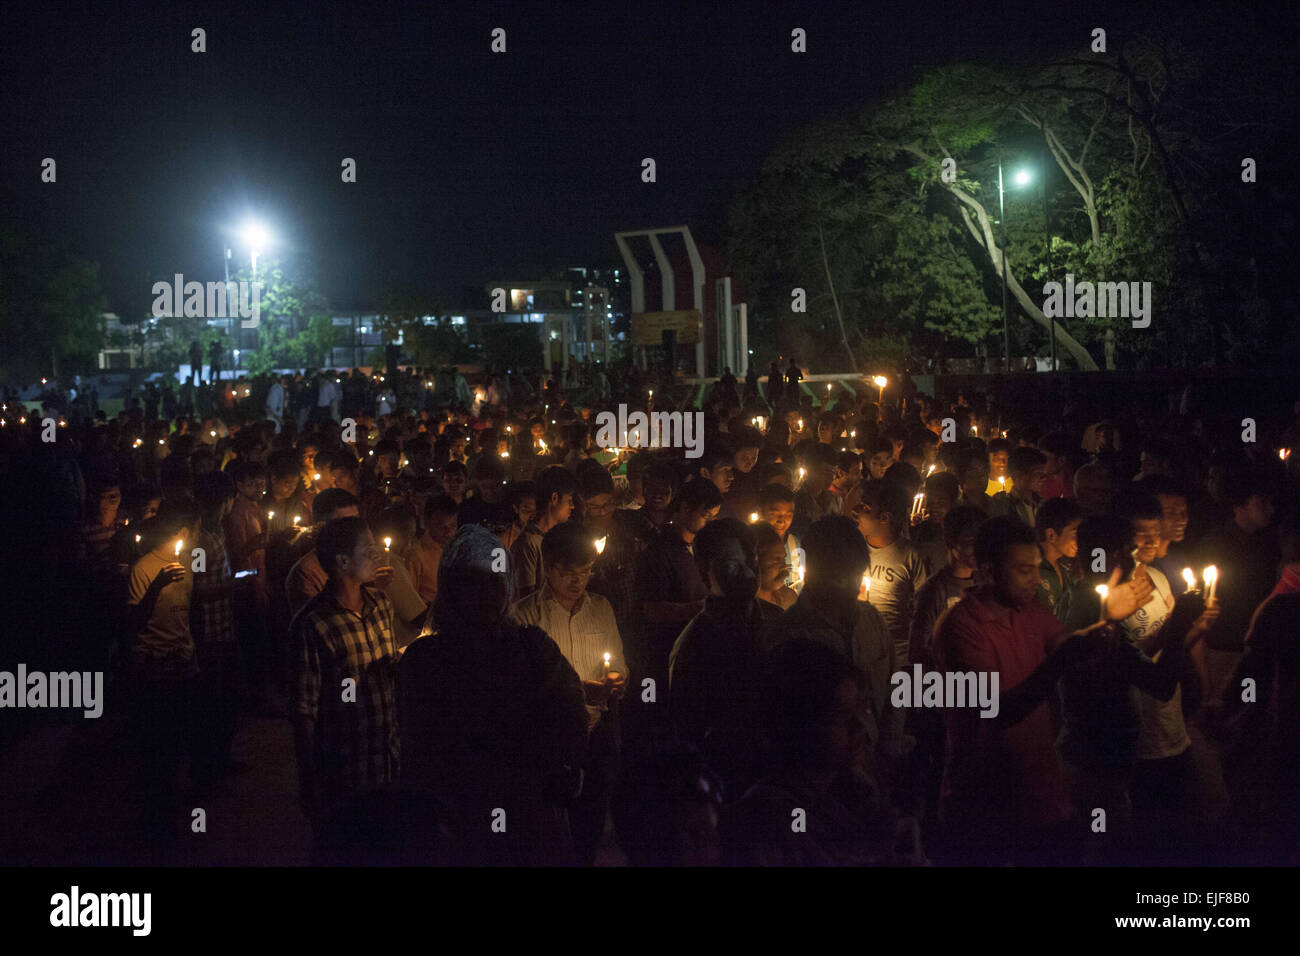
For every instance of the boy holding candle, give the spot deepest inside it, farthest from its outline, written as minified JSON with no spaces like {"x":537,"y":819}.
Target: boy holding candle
{"x":776,"y":507}
{"x":163,"y":663}
{"x":897,"y":568}
{"x":1003,"y":796}
{"x":583,"y":626}
{"x":1028,"y":467}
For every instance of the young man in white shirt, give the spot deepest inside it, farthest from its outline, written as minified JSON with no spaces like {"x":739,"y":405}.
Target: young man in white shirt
{"x":583,"y":627}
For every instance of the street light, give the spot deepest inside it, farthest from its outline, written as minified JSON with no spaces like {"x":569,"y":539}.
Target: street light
{"x":256,"y":238}
{"x":1022,"y":178}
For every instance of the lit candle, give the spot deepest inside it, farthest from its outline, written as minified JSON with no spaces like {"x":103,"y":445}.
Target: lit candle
{"x":1190,"y":578}
{"x":542,"y":443}
{"x":137,"y":539}
{"x":388,"y":544}
{"x":600,"y":549}
{"x":930,"y":472}
{"x":605,"y":672}
{"x":270,"y":515}
{"x":504,"y":454}
{"x":179,"y":543}
{"x":918,"y":504}
{"x":801,"y":474}
{"x":652,"y":393}
{"x":865,"y":593}
{"x":1284,"y":453}
{"x":1211,"y":577}
{"x":162,"y":441}
{"x":1002,"y":483}
{"x":975,"y":431}
{"x":753,"y":517}
{"x":828,"y":388}
{"x":296,"y":519}
{"x":316,"y":476}
{"x":853,"y":434}
{"x":1103,"y":591}
{"x":213,"y":434}
{"x":801,"y":424}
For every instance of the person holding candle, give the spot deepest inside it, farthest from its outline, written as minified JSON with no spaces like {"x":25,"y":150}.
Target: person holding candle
{"x":1003,"y":796}
{"x":582,"y":625}
{"x":162,"y":663}
{"x":776,"y":507}
{"x":897,"y":568}
{"x":1173,"y":555}
{"x":828,"y":612}
{"x":774,"y":592}
{"x":814,"y":498}
{"x":625,"y":535}
{"x":346,"y":740}
{"x":1028,"y":467}
{"x":1000,"y":480}
{"x":1245,"y":550}
{"x":306,"y":577}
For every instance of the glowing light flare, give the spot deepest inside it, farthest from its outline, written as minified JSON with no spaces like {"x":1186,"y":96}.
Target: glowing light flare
{"x":600,"y":549}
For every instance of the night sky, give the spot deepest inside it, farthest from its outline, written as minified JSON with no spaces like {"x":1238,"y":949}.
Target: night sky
{"x":471,"y":166}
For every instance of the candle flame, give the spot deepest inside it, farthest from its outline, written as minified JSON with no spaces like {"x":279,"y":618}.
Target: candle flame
{"x":388,"y":543}
{"x":753,"y":517}
{"x":600,"y":549}
{"x":1210,"y":574}
{"x":930,"y":472}
{"x":179,"y":544}
{"x":1103,"y":590}
{"x":270,"y":515}
{"x":881,"y":381}
{"x":316,"y":477}
{"x":296,"y":519}
{"x":1190,"y":578}
{"x":1284,"y":453}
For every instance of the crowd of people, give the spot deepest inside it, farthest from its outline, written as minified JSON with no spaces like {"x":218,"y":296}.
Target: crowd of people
{"x":500,"y":643}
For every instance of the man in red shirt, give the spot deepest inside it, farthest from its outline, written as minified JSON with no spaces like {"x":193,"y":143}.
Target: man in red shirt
{"x":1003,"y":796}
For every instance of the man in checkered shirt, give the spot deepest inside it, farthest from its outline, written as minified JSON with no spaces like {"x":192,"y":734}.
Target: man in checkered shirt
{"x":344,"y":657}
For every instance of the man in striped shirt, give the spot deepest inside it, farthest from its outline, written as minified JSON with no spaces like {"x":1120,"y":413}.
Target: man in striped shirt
{"x":345,"y":656}
{"x":582,"y":625}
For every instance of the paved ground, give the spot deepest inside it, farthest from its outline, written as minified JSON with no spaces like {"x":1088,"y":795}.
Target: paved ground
{"x":66,"y":799}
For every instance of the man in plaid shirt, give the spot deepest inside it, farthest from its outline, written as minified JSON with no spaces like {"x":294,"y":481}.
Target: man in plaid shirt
{"x":344,"y":657}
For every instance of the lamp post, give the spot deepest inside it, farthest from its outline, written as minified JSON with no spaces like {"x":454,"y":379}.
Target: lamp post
{"x":1006,"y":322}
{"x":1023,"y":178}
{"x":1047,"y":252}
